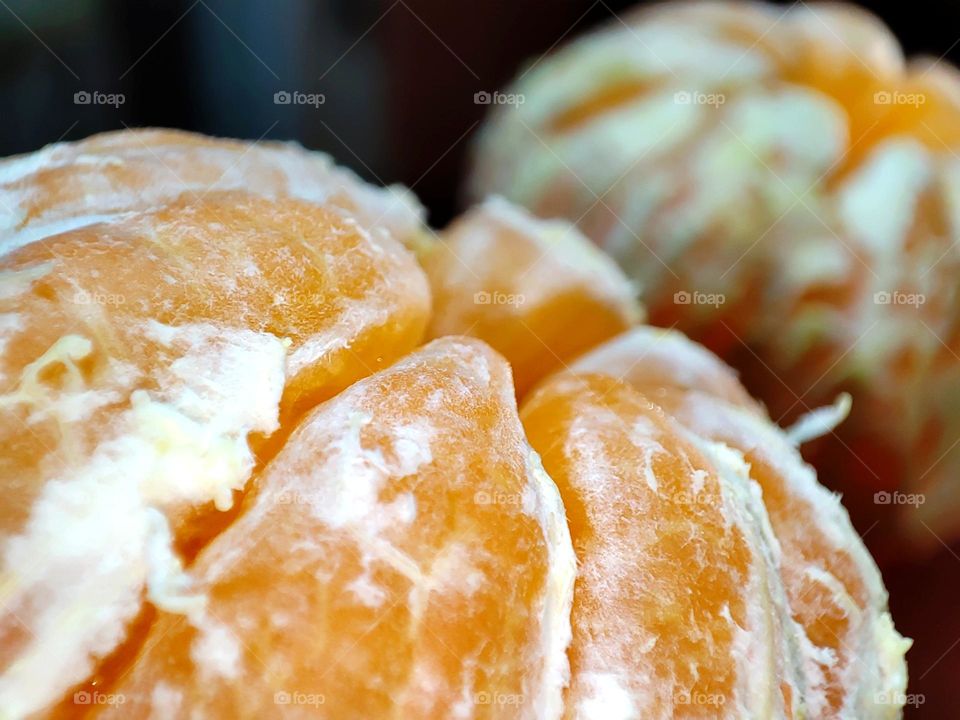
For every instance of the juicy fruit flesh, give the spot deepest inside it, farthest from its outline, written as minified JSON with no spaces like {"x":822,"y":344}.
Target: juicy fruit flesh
{"x":414,"y":557}
{"x":306,"y":278}
{"x":832,"y":586}
{"x":138,"y":170}
{"x":402,"y":553}
{"x":654,"y":361}
{"x":663,"y":587}
{"x":139,"y":357}
{"x":537,"y":292}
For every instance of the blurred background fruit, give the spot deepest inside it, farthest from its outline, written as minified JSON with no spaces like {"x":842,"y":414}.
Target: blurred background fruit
{"x":783,"y":186}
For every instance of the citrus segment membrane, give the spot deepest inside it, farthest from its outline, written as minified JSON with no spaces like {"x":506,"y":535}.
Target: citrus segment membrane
{"x":404,"y":555}
{"x":537,"y":291}
{"x":143,"y":362}
{"x":678,"y":607}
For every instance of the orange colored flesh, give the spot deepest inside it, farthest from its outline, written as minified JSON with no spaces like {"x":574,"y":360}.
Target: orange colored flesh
{"x":136,"y":170}
{"x":835,"y":50}
{"x":926,"y":106}
{"x":237,"y":265}
{"x":812,"y":542}
{"x":853,"y":58}
{"x":498,"y":276}
{"x":386,"y":566}
{"x":602,"y":101}
{"x":657,"y":574}
{"x":654,"y":360}
{"x":286,"y":268}
{"x":808,"y":541}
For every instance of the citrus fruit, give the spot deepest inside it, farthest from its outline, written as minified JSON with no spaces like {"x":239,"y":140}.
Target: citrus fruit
{"x":833,"y":588}
{"x":678,"y":609}
{"x":236,"y":486}
{"x":143,"y":363}
{"x":68,"y":185}
{"x":536,"y":291}
{"x":404,"y":555}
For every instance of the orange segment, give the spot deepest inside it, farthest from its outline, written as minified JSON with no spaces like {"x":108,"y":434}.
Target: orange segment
{"x":655,"y":360}
{"x":835,"y":590}
{"x":849,"y":55}
{"x":403,"y":556}
{"x":137,"y":358}
{"x":69,"y":185}
{"x":537,"y":291}
{"x":677,"y":611}
{"x":833,"y":587}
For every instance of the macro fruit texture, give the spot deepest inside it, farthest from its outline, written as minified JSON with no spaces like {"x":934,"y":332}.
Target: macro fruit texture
{"x":784,"y":187}
{"x":239,"y":486}
{"x":693,"y":518}
{"x":833,"y":589}
{"x":138,"y":357}
{"x":677,"y":608}
{"x":403,"y":555}
{"x":69,"y":185}
{"x":537,"y":291}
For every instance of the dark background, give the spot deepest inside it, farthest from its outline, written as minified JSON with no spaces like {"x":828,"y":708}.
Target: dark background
{"x":399,"y":78}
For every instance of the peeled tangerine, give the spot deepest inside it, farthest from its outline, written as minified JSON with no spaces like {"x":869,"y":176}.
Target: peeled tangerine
{"x":396,"y":548}
{"x":784,"y":185}
{"x":138,"y":355}
{"x":404,"y":555}
{"x":713,"y":566}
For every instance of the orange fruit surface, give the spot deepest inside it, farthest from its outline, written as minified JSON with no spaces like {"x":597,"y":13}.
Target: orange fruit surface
{"x":69,"y":185}
{"x":138,"y":357}
{"x":676,"y":613}
{"x":237,"y":486}
{"x":657,"y":361}
{"x":833,"y":588}
{"x":537,"y":291}
{"x":404,"y":555}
